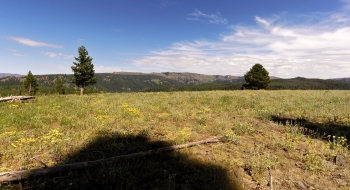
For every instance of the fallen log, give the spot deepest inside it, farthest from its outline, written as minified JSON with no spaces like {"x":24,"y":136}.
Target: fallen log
{"x":24,"y":174}
{"x":14,"y":98}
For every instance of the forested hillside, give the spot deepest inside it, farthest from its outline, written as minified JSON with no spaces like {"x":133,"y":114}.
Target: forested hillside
{"x":156,"y":82}
{"x":301,"y":83}
{"x":112,"y":82}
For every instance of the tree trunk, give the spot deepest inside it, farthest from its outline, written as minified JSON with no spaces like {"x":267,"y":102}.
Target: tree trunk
{"x":81,"y":91}
{"x":14,"y":98}
{"x":30,"y":88}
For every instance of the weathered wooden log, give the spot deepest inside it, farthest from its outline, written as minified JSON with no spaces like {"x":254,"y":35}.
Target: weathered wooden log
{"x":13,"y":98}
{"x":24,"y":174}
{"x":271,"y":178}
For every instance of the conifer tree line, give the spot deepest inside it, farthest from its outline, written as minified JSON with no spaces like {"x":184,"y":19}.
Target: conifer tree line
{"x":256,"y":78}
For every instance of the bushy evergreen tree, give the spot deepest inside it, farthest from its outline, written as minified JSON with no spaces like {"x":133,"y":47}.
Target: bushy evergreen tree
{"x":30,"y":84}
{"x":60,"y":89}
{"x":257,"y":78}
{"x":83,"y":70}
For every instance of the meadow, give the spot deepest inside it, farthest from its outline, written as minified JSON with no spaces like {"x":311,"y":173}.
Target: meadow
{"x":296,"y":134}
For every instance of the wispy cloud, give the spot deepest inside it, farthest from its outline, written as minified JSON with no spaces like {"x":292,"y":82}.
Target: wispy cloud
{"x":164,"y":3}
{"x":346,"y":4}
{"x":104,"y":69}
{"x":57,"y":55}
{"x":55,"y":68}
{"x":18,"y":55}
{"x":320,"y":49}
{"x":80,"y":41}
{"x":209,"y":18}
{"x":67,"y":68}
{"x":15,"y":53}
{"x":29,"y":42}
{"x":13,"y":50}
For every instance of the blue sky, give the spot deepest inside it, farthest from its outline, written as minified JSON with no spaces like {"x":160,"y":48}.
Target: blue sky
{"x":289,"y":38}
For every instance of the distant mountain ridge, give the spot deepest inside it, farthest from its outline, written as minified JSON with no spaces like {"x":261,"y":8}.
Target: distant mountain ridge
{"x":343,"y":79}
{"x":129,"y":81}
{"x":166,"y":81}
{"x":3,"y":75}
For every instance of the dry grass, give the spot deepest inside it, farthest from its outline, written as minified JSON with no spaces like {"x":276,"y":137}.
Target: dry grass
{"x":282,"y":130}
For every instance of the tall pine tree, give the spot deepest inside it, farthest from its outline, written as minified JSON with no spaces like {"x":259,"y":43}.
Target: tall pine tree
{"x":83,"y":70}
{"x":30,"y":84}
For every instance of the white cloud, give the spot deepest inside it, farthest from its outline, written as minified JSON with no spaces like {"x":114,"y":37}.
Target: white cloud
{"x":311,"y":49}
{"x":32,"y":43}
{"x":212,"y":18}
{"x":57,"y":55}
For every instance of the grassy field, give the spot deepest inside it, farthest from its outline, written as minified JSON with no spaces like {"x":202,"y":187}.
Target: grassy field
{"x":297,"y":134}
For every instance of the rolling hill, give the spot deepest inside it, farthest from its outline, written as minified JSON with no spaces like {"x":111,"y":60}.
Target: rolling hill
{"x":126,"y":81}
{"x":3,"y":75}
{"x":167,"y":81}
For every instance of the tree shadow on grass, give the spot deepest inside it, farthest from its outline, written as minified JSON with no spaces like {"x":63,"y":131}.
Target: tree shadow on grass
{"x":169,"y":170}
{"x":316,"y":129}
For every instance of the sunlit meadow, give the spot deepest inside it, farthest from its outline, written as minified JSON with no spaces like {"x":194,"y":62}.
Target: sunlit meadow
{"x":259,"y":130}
